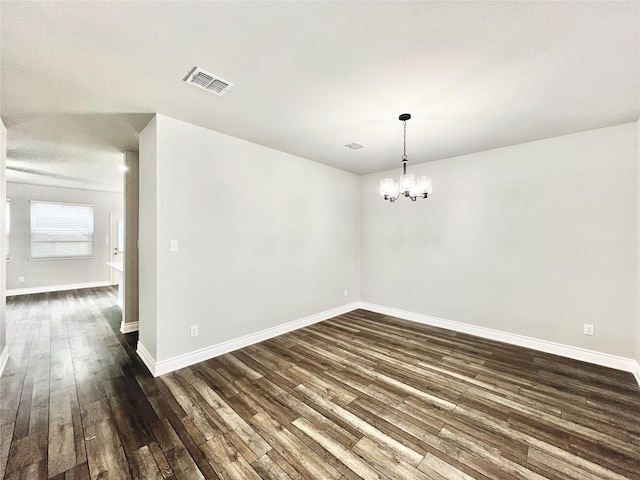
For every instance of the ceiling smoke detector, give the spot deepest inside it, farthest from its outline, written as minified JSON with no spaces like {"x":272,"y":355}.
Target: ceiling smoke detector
{"x":208,"y":81}
{"x":355,"y":146}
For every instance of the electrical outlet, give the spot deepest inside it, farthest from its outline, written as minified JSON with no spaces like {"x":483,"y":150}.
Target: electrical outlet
{"x":194,"y":330}
{"x":20,"y":279}
{"x":346,"y":293}
{"x":588,"y":329}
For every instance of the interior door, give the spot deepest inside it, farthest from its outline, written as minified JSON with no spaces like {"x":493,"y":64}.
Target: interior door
{"x":116,"y":243}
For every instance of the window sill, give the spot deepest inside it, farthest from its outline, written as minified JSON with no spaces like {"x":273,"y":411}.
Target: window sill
{"x":47,"y":259}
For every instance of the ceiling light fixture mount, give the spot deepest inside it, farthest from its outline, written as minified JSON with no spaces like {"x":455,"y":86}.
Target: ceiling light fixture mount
{"x":408,"y":185}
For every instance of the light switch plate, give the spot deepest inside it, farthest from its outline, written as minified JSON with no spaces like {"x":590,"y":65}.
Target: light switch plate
{"x":173,"y":245}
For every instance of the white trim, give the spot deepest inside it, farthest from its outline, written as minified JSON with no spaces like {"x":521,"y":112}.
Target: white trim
{"x":636,"y":372}
{"x":181,"y":361}
{"x":4,"y":357}
{"x":55,"y":259}
{"x":590,"y":356}
{"x":129,"y":327}
{"x":57,"y":288}
{"x":146,"y":358}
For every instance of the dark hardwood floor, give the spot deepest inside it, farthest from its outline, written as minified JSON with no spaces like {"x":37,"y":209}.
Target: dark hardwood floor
{"x":358,"y":396}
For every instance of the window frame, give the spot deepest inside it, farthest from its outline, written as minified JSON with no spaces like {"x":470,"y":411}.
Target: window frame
{"x":91,"y":242}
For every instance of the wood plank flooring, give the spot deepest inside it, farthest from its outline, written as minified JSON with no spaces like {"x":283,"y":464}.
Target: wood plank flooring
{"x":358,"y":396}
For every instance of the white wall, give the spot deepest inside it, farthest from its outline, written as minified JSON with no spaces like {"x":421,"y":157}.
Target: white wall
{"x":265,"y":238}
{"x":47,"y":273}
{"x":534,"y":239}
{"x":131,"y":216}
{"x":147,"y":235}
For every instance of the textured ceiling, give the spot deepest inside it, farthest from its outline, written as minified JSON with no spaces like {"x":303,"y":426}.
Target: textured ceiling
{"x":81,"y":79}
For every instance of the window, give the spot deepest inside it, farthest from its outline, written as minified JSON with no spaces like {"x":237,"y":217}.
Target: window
{"x":61,"y":230}
{"x":7,"y":229}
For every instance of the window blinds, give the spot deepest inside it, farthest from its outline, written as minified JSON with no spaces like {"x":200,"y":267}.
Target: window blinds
{"x":61,"y":230}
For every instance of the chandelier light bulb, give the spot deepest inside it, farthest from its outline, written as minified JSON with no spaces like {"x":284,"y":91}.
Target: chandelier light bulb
{"x":424,"y":185}
{"x":388,"y":187}
{"x":407,"y":183}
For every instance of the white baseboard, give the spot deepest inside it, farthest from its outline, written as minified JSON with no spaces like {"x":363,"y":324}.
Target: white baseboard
{"x":129,"y":327}
{"x":4,"y":358}
{"x":181,"y":361}
{"x":57,"y":288}
{"x":590,"y":356}
{"x":146,"y":358}
{"x":636,"y":372}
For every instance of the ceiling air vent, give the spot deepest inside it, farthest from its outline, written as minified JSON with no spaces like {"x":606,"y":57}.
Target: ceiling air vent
{"x":355,"y":146}
{"x":209,"y":82}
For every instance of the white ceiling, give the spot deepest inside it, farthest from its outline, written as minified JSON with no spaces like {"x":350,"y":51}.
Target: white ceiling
{"x":81,"y":79}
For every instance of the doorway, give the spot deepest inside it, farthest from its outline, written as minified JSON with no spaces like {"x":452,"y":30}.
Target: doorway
{"x":116,"y":245}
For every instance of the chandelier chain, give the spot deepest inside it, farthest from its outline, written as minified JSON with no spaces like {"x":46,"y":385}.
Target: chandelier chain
{"x":404,"y":153}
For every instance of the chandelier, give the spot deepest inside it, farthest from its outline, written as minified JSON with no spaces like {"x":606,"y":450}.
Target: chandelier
{"x":408,"y":185}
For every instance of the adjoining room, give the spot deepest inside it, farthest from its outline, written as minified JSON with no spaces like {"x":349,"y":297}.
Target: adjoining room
{"x":320,"y":240}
